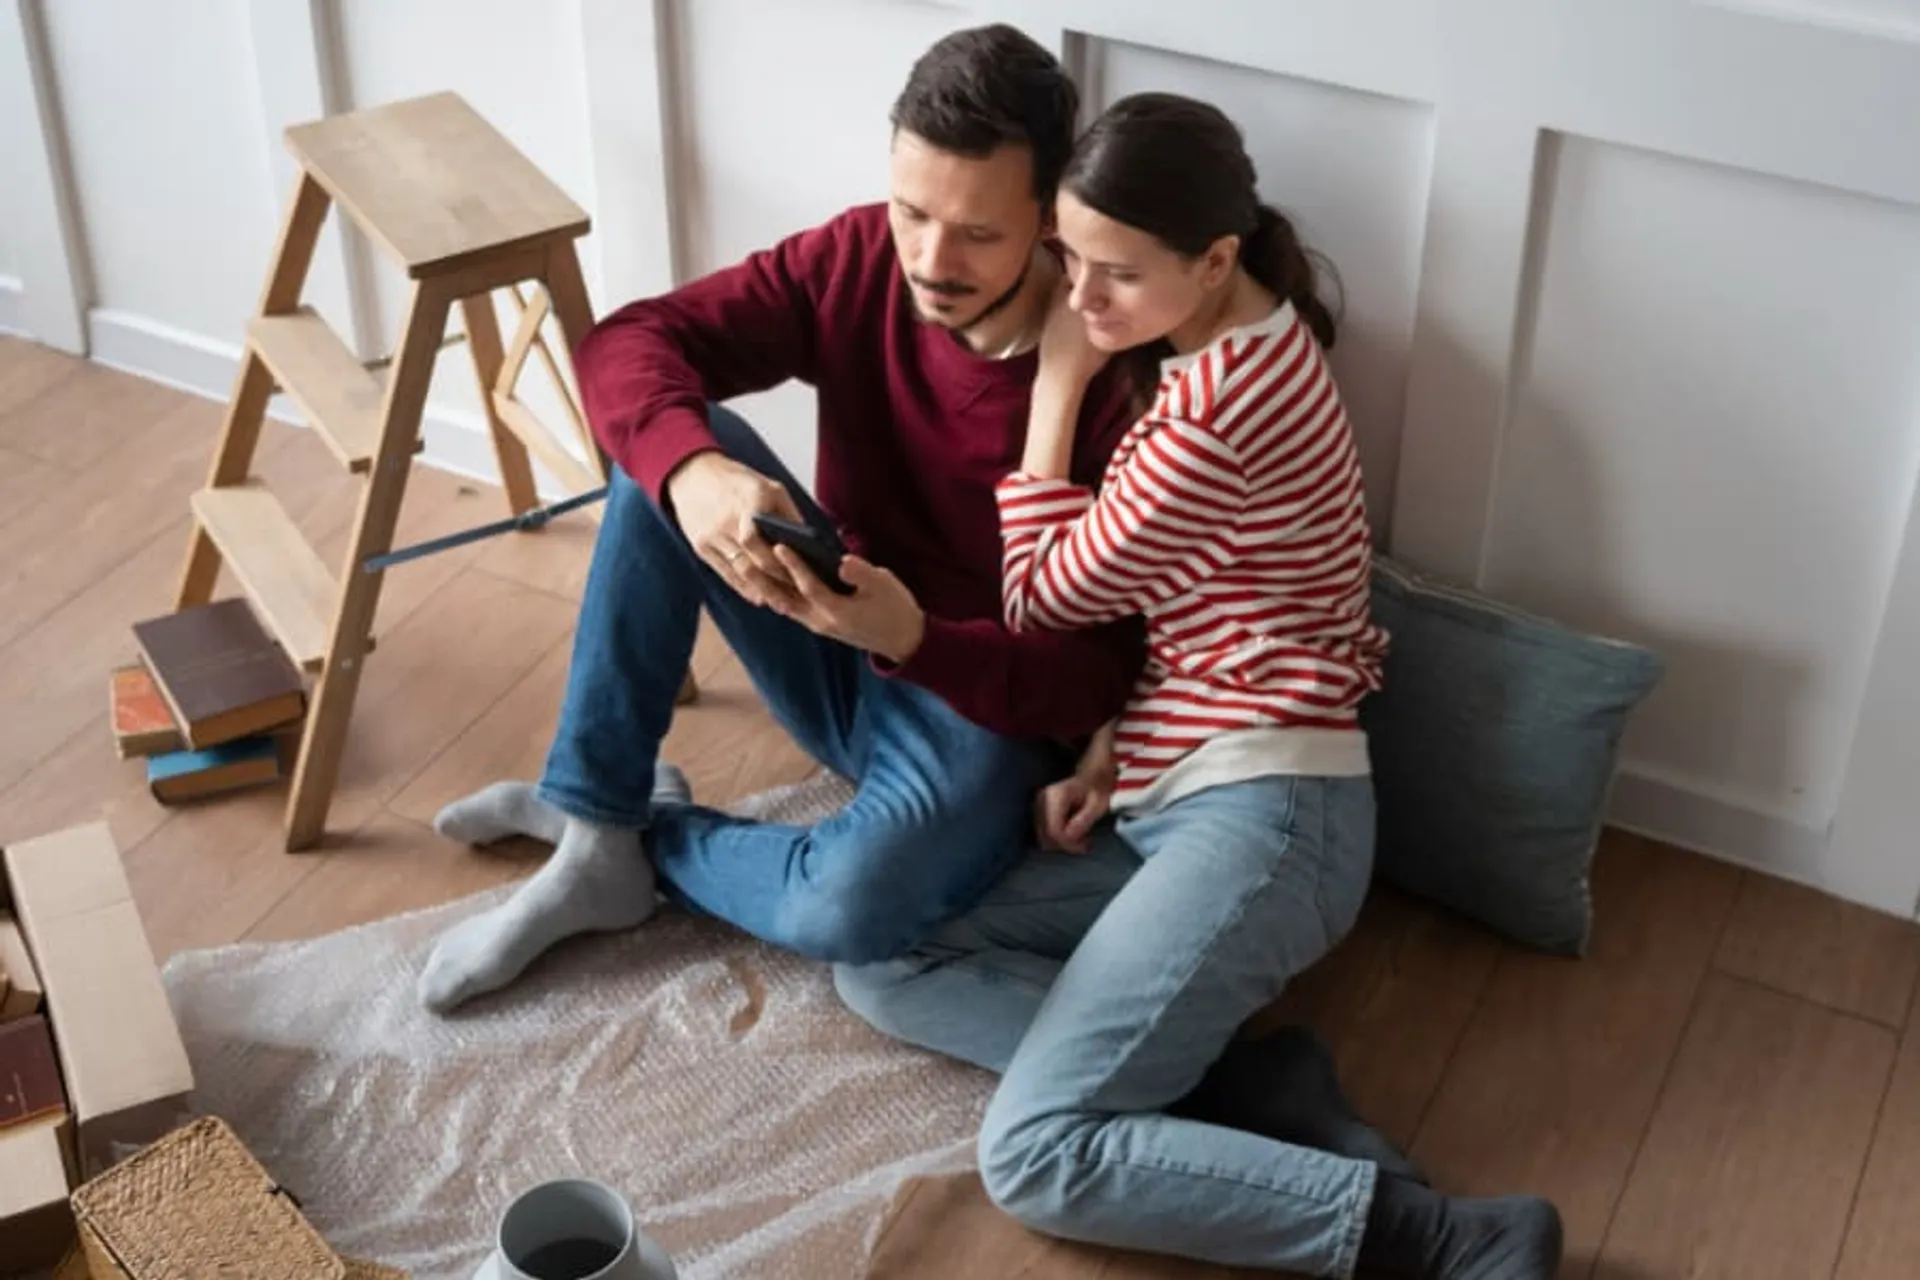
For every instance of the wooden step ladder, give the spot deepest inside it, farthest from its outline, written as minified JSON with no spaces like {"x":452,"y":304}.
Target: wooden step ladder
{"x":464,"y":213}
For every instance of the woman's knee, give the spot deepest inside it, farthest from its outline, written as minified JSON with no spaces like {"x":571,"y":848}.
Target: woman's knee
{"x":1027,"y":1163}
{"x":876,"y":992}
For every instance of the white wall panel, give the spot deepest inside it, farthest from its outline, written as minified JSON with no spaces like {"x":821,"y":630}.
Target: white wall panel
{"x":1712,"y":448}
{"x":164,"y":128}
{"x":771,"y":141}
{"x":520,"y":67}
{"x":1897,"y":18}
{"x":1352,"y":171}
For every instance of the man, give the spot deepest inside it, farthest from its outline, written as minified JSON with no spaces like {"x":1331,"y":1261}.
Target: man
{"x":916,"y":323}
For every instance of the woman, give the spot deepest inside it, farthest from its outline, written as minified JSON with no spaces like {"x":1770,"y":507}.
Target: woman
{"x":1232,"y":517}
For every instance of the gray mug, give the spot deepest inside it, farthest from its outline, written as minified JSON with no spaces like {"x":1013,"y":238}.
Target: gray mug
{"x":575,"y":1229}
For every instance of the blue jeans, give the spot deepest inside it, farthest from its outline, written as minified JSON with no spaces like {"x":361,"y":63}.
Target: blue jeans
{"x":943,"y":806}
{"x":1104,"y":985}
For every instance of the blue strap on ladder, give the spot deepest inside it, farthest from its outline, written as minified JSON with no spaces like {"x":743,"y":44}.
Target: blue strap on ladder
{"x":533,"y":519}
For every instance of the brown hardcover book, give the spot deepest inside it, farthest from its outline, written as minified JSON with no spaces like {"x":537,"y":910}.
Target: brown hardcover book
{"x":223,"y":676}
{"x":29,"y":1073}
{"x":142,"y":722}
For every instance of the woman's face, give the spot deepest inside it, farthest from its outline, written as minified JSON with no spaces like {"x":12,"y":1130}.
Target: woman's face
{"x":1127,"y":286}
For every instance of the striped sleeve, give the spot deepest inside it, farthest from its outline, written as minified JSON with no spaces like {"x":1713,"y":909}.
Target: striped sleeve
{"x":1072,"y":560}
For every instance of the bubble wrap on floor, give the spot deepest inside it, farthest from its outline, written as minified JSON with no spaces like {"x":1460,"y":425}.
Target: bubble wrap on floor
{"x":757,"y":1127}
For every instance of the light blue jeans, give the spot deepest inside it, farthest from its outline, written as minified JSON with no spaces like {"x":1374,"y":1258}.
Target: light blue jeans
{"x":1104,"y":985}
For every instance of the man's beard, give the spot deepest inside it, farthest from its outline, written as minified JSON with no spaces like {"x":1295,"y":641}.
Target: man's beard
{"x":987,"y":313}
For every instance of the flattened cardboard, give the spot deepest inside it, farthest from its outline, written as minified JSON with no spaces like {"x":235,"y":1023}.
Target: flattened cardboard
{"x":36,"y":1219}
{"x":126,"y":1070}
{"x":20,"y":993}
{"x":947,"y":1229}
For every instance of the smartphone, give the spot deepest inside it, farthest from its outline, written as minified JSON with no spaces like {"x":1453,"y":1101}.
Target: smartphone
{"x":820,"y":548}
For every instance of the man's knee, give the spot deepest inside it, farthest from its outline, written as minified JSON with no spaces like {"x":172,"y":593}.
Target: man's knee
{"x":740,"y":442}
{"x":730,"y":429}
{"x":879,"y":889}
{"x":856,"y":920}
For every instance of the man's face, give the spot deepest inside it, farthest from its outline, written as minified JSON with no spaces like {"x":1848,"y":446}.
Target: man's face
{"x":965,"y":229}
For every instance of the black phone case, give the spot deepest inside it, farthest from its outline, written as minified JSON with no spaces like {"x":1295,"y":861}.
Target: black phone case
{"x":821,"y":549}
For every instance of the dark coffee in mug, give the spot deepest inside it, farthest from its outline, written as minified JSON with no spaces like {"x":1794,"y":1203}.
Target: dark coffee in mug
{"x":568,"y":1259}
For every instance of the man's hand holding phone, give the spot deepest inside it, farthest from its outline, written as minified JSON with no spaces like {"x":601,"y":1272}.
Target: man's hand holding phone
{"x":715,"y":499}
{"x":842,"y":596}
{"x":878,"y":614}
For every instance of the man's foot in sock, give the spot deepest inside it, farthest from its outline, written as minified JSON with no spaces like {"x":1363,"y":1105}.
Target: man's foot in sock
{"x":1286,"y":1086}
{"x":498,"y":811}
{"x":505,"y":809}
{"x":1414,"y":1231}
{"x":597,"y":880}
{"x":670,"y":785}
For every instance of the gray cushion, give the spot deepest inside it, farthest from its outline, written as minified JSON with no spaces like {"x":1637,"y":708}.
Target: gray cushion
{"x":1494,"y":740}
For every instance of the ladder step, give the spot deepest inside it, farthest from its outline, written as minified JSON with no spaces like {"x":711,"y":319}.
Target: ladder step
{"x":276,"y":565}
{"x":567,"y":469}
{"x":342,"y":400}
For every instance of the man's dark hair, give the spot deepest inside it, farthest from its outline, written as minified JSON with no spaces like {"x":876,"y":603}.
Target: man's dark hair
{"x":985,"y":87}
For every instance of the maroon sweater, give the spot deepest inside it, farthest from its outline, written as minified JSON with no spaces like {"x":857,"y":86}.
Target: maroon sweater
{"x":914,"y":432}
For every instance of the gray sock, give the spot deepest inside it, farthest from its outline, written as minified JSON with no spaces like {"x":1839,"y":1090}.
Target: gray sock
{"x":598,"y":880}
{"x":498,"y":811}
{"x":1414,"y":1231}
{"x":504,"y":809}
{"x":670,"y":786}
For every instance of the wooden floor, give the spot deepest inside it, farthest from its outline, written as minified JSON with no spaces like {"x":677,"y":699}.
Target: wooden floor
{"x":1728,"y":1087}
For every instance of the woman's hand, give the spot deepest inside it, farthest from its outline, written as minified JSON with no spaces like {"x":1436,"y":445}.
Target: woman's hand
{"x":1067,"y":364}
{"x":1066,"y":811}
{"x":1066,"y":350}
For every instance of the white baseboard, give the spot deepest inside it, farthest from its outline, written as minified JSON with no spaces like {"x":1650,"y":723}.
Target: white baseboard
{"x":456,"y":441}
{"x":12,"y":293}
{"x":1678,"y":813}
{"x":171,"y":356}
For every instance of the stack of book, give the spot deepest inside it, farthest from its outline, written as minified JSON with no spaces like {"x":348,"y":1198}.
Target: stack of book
{"x":212,"y":704}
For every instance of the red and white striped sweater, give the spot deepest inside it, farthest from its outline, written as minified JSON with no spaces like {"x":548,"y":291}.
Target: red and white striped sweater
{"x":1232,"y":516}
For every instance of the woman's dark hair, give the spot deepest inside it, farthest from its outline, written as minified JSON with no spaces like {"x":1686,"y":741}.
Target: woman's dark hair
{"x":984,"y":87}
{"x":1177,"y":169}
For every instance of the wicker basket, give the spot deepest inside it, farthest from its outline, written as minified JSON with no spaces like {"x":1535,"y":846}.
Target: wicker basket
{"x":193,"y":1206}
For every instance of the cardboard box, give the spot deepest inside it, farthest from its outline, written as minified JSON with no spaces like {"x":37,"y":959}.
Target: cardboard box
{"x":946,"y":1229}
{"x":19,"y":980}
{"x":125,"y":1069}
{"x":36,"y":1220}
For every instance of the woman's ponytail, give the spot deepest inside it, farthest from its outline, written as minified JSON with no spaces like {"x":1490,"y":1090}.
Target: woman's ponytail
{"x":1273,"y":255}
